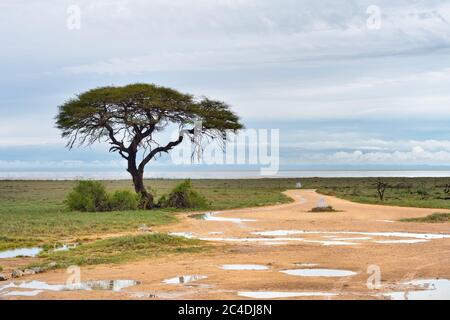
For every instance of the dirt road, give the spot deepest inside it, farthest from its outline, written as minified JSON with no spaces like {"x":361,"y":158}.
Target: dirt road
{"x":355,"y":240}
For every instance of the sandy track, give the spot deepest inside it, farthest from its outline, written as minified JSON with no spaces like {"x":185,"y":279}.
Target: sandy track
{"x":397,"y":261}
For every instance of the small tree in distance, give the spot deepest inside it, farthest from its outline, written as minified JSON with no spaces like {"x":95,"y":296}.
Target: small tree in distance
{"x":381,"y":188}
{"x":128,"y":117}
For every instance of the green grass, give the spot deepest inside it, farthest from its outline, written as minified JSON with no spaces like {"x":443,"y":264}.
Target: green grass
{"x":433,"y":218}
{"x":405,"y":192}
{"x":120,"y":249}
{"x":33,"y":213}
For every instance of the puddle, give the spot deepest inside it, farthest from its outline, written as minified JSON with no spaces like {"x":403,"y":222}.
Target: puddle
{"x":188,"y":235}
{"x":275,"y":233}
{"x":274,"y":240}
{"x":24,"y":252}
{"x":244,"y":267}
{"x":110,"y":285}
{"x":281,"y":241}
{"x":65,"y":247}
{"x":433,"y":289}
{"x":34,"y":285}
{"x":23,"y":293}
{"x":425,"y":236}
{"x":385,"y":221}
{"x":332,"y":242}
{"x":319,"y":273}
{"x":277,"y":295}
{"x":274,"y":243}
{"x":212,"y":216}
{"x":184,"y":279}
{"x":401,"y":241}
{"x":334,"y":237}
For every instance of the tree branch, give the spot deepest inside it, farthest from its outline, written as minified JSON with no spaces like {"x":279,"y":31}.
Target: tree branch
{"x":155,"y":151}
{"x":113,"y":138}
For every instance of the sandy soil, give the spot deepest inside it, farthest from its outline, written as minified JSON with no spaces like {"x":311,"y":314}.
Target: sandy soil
{"x":397,"y":261}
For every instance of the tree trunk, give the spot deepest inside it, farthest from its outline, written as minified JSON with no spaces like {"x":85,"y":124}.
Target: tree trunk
{"x":147,"y":199}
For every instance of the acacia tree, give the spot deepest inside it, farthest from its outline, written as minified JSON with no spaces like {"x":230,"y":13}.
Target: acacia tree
{"x":381,"y":188}
{"x":128,"y":118}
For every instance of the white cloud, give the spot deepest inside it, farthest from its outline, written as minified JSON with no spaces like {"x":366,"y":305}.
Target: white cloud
{"x":417,"y":155}
{"x":286,"y":59}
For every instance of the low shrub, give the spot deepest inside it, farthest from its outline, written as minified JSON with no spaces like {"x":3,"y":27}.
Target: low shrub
{"x":88,"y":196}
{"x":123,"y":200}
{"x":323,"y":209}
{"x":91,"y":196}
{"x":183,"y":196}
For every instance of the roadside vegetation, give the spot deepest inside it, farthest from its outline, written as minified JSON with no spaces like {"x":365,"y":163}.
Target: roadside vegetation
{"x":405,"y":192}
{"x":183,"y":196}
{"x":91,"y":196}
{"x":119,"y":249}
{"x":433,"y":218}
{"x":34,"y":213}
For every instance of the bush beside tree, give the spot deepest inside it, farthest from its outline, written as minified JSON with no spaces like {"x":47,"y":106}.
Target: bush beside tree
{"x":124,"y":200}
{"x":183,"y":196}
{"x":88,"y":196}
{"x":91,"y":196}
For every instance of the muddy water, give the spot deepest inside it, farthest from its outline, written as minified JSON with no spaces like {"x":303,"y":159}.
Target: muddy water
{"x":184,"y":279}
{"x":188,"y":235}
{"x":332,"y":242}
{"x":422,"y":236}
{"x":32,"y":293}
{"x":65,"y":247}
{"x":319,"y":273}
{"x":212,"y":216}
{"x":281,"y":240}
{"x":431,"y":289}
{"x":412,"y":241}
{"x":37,"y":287}
{"x":24,"y":252}
{"x":254,"y":267}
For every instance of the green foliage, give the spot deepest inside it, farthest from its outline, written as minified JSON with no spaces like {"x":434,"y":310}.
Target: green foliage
{"x":422,"y":191}
{"x":123,"y":200}
{"x":128,"y":116}
{"x":88,"y":196}
{"x":91,"y":196}
{"x":405,"y":192}
{"x":323,"y":209}
{"x":184,"y":196}
{"x":34,"y":213}
{"x":123,"y":110}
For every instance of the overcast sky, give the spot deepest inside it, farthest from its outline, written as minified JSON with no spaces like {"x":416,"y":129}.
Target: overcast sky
{"x":339,"y":88}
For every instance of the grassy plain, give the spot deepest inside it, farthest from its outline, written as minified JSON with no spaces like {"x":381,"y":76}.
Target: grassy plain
{"x":33,"y":213}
